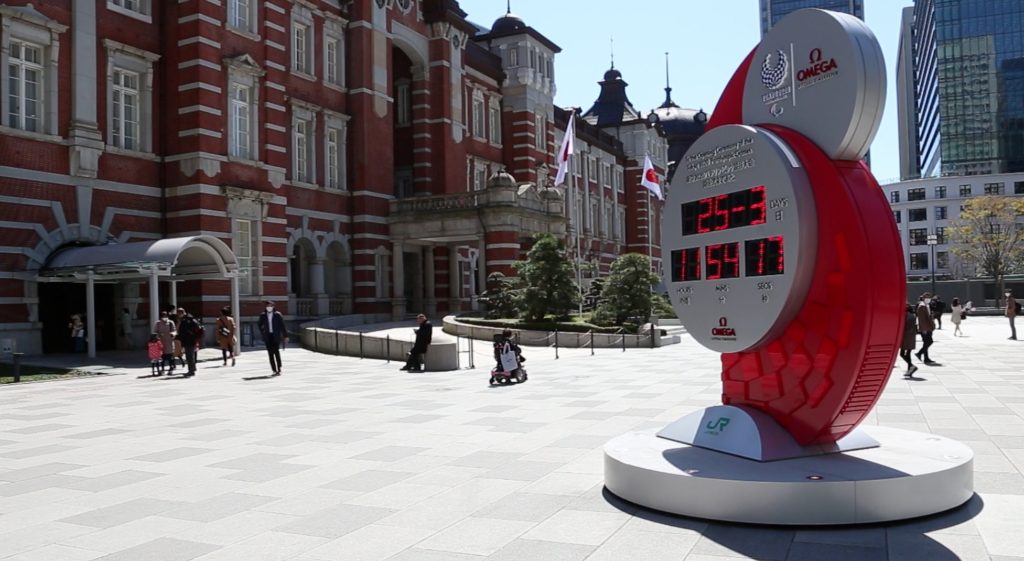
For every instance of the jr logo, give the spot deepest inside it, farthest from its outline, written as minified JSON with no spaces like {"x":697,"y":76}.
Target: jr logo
{"x":718,"y":425}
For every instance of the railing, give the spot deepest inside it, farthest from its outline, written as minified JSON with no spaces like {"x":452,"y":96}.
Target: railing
{"x":458,"y":201}
{"x":303,"y":307}
{"x":336,"y":306}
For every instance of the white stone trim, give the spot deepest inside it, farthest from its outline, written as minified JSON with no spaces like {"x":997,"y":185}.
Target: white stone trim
{"x":199,"y":39}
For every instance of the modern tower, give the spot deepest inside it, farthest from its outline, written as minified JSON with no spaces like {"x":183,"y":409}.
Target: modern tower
{"x":967,"y":106}
{"x":774,"y":10}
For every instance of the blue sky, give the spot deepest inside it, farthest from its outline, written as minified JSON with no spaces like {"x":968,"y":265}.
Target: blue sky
{"x":706,"y":40}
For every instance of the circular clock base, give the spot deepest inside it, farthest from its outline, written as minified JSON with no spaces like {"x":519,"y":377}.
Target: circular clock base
{"x":910,"y":474}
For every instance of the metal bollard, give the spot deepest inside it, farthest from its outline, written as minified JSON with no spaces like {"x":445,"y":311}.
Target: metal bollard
{"x":623,"y":340}
{"x":471,"y":364}
{"x":556,"y":344}
{"x":591,"y":342}
{"x":337,"y":346}
{"x":17,"y":365}
{"x":652,"y":335}
{"x":316,"y":339}
{"x":360,"y":345}
{"x":388,"y":352}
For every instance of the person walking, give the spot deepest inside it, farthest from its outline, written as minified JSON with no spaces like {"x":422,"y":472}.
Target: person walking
{"x":937,"y":306}
{"x":925,"y":326}
{"x":909,"y":340}
{"x":126,"y":327}
{"x":419,"y":348}
{"x":1011,"y":312}
{"x":272,"y":328}
{"x":190,"y":333}
{"x":165,"y":330}
{"x":956,"y":316}
{"x":76,"y":329}
{"x":226,"y":334}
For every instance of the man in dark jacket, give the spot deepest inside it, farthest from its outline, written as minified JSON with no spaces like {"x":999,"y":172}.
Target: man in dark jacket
{"x":273,"y":331}
{"x":925,"y":326}
{"x":937,"y":307}
{"x":190,"y":333}
{"x":419,"y":348}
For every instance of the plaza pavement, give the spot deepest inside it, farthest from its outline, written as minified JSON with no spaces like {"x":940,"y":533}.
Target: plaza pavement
{"x":343,"y":459}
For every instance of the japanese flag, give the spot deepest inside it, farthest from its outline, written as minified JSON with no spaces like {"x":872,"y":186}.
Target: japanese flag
{"x":649,"y":179}
{"x":568,"y":147}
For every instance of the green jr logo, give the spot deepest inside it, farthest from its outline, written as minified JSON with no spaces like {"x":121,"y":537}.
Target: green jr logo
{"x":718,"y":425}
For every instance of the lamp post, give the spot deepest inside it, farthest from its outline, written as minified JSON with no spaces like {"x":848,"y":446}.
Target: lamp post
{"x":933,"y":240}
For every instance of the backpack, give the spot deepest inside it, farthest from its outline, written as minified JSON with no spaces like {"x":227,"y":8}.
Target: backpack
{"x":1018,"y":308}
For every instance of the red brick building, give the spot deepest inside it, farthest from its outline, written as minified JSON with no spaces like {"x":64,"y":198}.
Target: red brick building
{"x":346,"y":151}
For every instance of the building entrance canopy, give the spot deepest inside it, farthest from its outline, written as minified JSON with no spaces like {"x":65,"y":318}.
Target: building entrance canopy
{"x":186,"y":258}
{"x":174,"y":259}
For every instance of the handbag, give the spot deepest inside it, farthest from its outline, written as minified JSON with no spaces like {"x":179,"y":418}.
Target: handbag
{"x":963,"y":314}
{"x":225,"y":331}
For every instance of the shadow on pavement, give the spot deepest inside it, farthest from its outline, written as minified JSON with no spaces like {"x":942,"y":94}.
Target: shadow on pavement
{"x":907,"y":539}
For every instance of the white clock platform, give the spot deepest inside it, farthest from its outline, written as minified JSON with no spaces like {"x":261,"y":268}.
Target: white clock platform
{"x":909,"y":474}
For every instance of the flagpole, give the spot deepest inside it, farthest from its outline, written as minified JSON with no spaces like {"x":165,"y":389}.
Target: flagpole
{"x":579,"y":218}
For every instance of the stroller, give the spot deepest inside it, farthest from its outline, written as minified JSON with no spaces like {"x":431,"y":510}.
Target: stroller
{"x":509,"y":358}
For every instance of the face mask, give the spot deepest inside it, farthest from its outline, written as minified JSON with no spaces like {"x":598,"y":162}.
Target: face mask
{"x":270,"y":309}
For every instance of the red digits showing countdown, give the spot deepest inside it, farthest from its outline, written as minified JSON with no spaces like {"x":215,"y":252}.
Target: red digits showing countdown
{"x":686,"y":264}
{"x":765,"y":256}
{"x":724,"y":212}
{"x":723,"y":261}
{"x":757,"y":212}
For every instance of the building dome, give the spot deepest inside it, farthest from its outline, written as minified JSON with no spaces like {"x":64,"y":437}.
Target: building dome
{"x":508,"y":23}
{"x":612,"y":74}
{"x":678,"y":121}
{"x":501,"y":179}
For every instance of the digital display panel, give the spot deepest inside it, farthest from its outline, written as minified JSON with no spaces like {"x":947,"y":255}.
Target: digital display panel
{"x":722,"y":261}
{"x":723,"y":212}
{"x":686,"y":264}
{"x":765,"y":256}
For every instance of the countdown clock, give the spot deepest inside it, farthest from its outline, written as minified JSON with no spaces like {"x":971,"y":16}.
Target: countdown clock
{"x":805,"y":299}
{"x":742,"y":230}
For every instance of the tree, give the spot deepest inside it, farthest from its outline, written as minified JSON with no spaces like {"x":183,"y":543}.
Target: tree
{"x":546,"y":283}
{"x":987,"y":234}
{"x":500,"y":296}
{"x":627,"y":291}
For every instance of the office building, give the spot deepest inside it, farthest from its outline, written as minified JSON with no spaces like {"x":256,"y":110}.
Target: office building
{"x":961,"y":88}
{"x":774,"y":10}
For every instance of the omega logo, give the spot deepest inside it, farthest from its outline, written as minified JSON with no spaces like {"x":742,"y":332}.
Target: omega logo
{"x":723,"y":329}
{"x":817,"y":65}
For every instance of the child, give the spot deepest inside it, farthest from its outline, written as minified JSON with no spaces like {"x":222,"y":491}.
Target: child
{"x":156,"y":352}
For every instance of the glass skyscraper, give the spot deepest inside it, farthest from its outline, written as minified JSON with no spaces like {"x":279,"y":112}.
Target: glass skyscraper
{"x":773,"y":10}
{"x":965,"y":62}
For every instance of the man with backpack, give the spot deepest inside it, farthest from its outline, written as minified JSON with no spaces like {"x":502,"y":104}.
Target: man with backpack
{"x":1012,"y":309}
{"x":190,"y":333}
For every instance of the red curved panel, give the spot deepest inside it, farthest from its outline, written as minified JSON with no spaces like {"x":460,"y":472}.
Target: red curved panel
{"x":823,"y":375}
{"x":729,"y":109}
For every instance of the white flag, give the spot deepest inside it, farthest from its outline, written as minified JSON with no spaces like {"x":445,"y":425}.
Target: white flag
{"x":649,"y":179}
{"x":568,"y":147}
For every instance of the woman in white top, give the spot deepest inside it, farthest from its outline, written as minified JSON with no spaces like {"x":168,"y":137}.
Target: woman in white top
{"x":957,"y":317}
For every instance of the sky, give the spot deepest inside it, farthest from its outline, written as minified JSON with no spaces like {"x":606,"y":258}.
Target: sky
{"x":706,"y":40}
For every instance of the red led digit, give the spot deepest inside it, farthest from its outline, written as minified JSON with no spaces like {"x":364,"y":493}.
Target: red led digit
{"x":721,"y":208}
{"x":780,"y":265}
{"x":731,"y":260}
{"x":758,"y":211}
{"x":705,"y":211}
{"x":713,"y":259}
{"x":761,"y":246}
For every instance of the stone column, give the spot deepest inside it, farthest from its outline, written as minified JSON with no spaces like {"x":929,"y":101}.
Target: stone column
{"x":321,"y":303}
{"x":397,"y":280}
{"x":454,"y":282}
{"x":430,"y":301}
{"x":481,"y":268}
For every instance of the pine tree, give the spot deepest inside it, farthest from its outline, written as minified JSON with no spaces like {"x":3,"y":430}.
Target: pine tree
{"x":627,"y":290}
{"x":546,"y":281}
